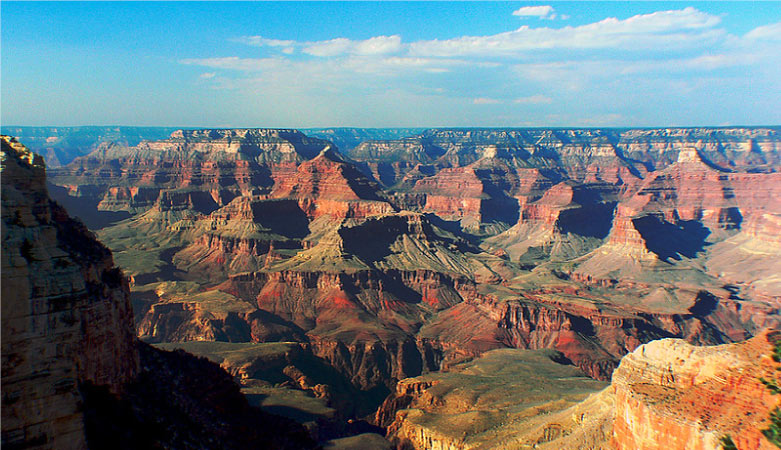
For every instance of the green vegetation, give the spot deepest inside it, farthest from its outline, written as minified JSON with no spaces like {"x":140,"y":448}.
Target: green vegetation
{"x":727,"y":444}
{"x":773,"y":432}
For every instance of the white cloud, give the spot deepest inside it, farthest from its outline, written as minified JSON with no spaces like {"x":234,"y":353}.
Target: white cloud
{"x":333,"y":47}
{"x":770,"y":33}
{"x":208,"y":75}
{"x":534,"y":100}
{"x":486,"y":101}
{"x":236,"y":63}
{"x":378,"y":45}
{"x":260,"y":41}
{"x":541,"y":12}
{"x":660,"y":30}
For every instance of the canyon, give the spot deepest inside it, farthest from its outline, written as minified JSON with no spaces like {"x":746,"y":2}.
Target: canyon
{"x":74,"y":374}
{"x":409,"y":282}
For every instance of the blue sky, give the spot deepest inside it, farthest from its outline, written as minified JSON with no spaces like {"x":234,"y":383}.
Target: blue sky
{"x":391,"y":64}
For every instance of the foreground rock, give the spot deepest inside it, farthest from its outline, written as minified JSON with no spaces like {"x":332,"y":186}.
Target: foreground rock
{"x":667,"y":394}
{"x":673,"y":395}
{"x":56,"y":279}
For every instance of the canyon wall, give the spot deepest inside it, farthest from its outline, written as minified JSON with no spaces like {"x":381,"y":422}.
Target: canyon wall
{"x":672,"y":395}
{"x":56,"y":280}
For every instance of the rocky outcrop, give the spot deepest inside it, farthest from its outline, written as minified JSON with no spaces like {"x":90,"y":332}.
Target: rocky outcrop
{"x":56,"y":280}
{"x":329,"y":186}
{"x":672,"y":395}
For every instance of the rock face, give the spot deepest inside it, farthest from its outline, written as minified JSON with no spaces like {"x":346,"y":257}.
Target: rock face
{"x":61,"y":145}
{"x":56,"y":279}
{"x":327,"y":185}
{"x":672,"y":395}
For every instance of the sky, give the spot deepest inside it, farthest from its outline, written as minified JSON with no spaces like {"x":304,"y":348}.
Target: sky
{"x":390,"y":64}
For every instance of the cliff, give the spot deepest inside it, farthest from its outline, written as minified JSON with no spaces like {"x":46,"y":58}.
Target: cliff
{"x":222,"y":163}
{"x":56,"y":279}
{"x":672,"y":395}
{"x":328,"y":185}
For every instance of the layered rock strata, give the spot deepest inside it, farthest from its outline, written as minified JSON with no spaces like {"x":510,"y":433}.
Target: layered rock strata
{"x":73,"y":373}
{"x":56,"y":279}
{"x":672,"y":395}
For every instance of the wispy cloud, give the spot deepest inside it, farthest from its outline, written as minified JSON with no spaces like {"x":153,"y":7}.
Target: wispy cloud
{"x":683,"y":28}
{"x":378,"y":45}
{"x":236,"y":63}
{"x":662,"y":30}
{"x":486,"y":101}
{"x":767,"y":33}
{"x":542,"y":12}
{"x":666,"y":55}
{"x":534,"y":100}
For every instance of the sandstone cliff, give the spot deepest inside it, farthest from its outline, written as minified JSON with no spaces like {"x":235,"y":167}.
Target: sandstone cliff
{"x":56,"y":279}
{"x":672,"y":395}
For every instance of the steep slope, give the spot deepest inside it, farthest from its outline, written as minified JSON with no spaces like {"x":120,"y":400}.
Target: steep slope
{"x":676,"y":214}
{"x":328,"y":185}
{"x":56,"y":278}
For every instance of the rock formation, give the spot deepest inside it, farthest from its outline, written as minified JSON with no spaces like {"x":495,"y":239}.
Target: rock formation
{"x":56,"y":279}
{"x":74,"y":375}
{"x":667,"y":394}
{"x":672,"y":395}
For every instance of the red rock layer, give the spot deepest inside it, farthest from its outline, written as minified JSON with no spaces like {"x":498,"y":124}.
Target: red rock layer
{"x":359,"y":319}
{"x":593,"y":339}
{"x":235,"y":161}
{"x":328,"y":186}
{"x":671,"y":395}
